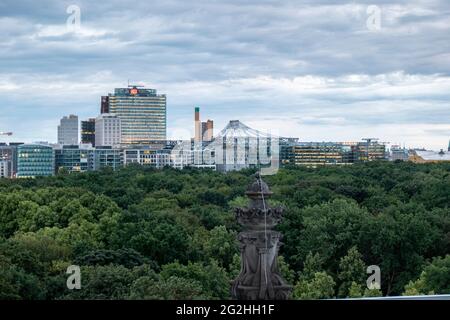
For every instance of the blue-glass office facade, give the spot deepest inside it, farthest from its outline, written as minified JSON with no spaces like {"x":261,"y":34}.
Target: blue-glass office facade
{"x":107,"y":157}
{"x":142,"y":113}
{"x":74,"y":159}
{"x":35,"y":160}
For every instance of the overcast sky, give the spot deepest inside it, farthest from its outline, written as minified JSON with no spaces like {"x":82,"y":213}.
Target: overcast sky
{"x":317,"y":70}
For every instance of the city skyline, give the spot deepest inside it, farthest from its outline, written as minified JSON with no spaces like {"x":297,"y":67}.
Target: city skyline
{"x":309,"y":70}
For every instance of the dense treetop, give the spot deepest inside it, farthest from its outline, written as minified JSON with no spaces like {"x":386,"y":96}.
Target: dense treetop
{"x":141,"y":233}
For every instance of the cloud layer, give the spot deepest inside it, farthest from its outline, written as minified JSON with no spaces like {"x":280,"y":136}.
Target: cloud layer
{"x":310,"y":69}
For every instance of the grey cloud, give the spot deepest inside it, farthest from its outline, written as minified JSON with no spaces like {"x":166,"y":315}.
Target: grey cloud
{"x":217,"y":45}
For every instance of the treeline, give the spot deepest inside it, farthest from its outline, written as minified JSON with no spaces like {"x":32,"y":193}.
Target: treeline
{"x":140,"y":233}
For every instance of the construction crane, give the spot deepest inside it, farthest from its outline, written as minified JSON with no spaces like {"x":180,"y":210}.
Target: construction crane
{"x":6,"y":133}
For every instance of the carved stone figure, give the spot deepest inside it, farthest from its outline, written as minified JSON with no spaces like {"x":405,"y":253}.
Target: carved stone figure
{"x":259,"y":278}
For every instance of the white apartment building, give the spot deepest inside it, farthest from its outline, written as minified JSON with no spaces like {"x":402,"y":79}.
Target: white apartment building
{"x":107,"y":130}
{"x":5,"y":168}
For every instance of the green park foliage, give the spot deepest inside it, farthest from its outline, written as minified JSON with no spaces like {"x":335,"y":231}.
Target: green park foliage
{"x":141,"y":233}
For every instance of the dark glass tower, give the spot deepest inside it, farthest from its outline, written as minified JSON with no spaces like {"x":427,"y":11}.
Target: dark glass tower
{"x":88,"y":131}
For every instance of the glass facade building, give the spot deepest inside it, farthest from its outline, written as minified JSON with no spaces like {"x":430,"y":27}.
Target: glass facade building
{"x":88,"y":131}
{"x":313,"y":154}
{"x":107,"y":157}
{"x":35,"y":160}
{"x":146,"y":157}
{"x":74,"y":159}
{"x":142,"y":113}
{"x":371,"y":151}
{"x":68,"y":130}
{"x":108,"y":130}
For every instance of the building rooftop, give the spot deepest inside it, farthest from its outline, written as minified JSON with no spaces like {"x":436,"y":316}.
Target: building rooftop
{"x":433,"y":155}
{"x":236,"y":129}
{"x":135,"y":92}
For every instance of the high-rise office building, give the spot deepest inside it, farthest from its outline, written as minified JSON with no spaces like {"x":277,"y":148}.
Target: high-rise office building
{"x":88,"y":131}
{"x":104,"y":107}
{"x":108,"y":130}
{"x":35,"y":160}
{"x":142,"y":113}
{"x":68,"y":130}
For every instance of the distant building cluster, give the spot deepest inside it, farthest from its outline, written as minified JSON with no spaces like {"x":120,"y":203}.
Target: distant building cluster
{"x":132,"y":129}
{"x":313,"y":154}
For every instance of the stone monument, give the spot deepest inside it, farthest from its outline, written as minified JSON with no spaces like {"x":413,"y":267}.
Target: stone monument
{"x":259,"y":278}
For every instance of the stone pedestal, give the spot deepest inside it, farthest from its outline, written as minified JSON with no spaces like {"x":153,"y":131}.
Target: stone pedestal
{"x":259,"y":278}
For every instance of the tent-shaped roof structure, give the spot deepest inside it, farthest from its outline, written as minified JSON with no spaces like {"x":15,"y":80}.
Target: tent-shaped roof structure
{"x":236,"y":129}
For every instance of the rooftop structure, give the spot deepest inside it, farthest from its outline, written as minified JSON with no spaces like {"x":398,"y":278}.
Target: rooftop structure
{"x":424,"y":156}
